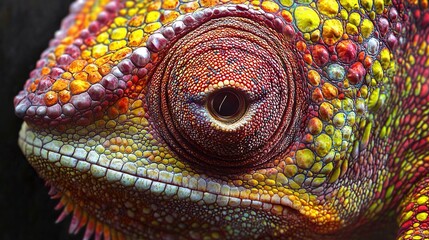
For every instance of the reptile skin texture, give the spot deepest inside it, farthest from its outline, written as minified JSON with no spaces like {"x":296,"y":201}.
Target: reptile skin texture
{"x":235,"y":119}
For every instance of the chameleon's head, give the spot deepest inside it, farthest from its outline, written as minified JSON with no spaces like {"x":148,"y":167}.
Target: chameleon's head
{"x":197,"y":118}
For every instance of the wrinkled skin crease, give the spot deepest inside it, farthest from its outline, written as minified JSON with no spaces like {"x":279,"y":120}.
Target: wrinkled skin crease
{"x":332,"y":142}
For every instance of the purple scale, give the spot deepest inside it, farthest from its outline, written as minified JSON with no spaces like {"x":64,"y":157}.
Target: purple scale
{"x":41,"y":111}
{"x":36,"y":99}
{"x":109,"y":96}
{"x":392,"y":41}
{"x":242,"y":7}
{"x":126,"y":66}
{"x":33,"y":73}
{"x":73,"y":51}
{"x":178,"y":27}
{"x":96,"y":92}
{"x":94,"y":27}
{"x":55,"y":42}
{"x":383,"y":25}
{"x":398,"y":27}
{"x":54,"y":111}
{"x":64,"y":59}
{"x":44,"y":85}
{"x":254,"y":12}
{"x":117,"y":72}
{"x":168,"y":33}
{"x":41,"y":63}
{"x":393,"y":14}
{"x":54,"y":123}
{"x":126,"y":78}
{"x":31,"y":111}
{"x":60,"y":34}
{"x":68,"y":109}
{"x":104,"y":104}
{"x":84,"y":34}
{"x":269,"y":16}
{"x":81,"y":101}
{"x":76,"y":6}
{"x":278,"y":25}
{"x":88,"y":114}
{"x":48,"y":53}
{"x":223,"y":9}
{"x":66,"y":23}
{"x":78,"y":42}
{"x":111,"y":7}
{"x":118,"y":92}
{"x":109,"y":82}
{"x":56,"y":72}
{"x":289,"y":31}
{"x":156,"y":42}
{"x":97,"y":108}
{"x":29,"y":82}
{"x":18,"y":98}
{"x":208,"y":12}
{"x":140,"y":57}
{"x":83,"y":121}
{"x":103,"y":17}
{"x":142,"y":72}
{"x":21,"y":108}
{"x":199,"y":16}
{"x":232,"y":8}
{"x":123,"y":84}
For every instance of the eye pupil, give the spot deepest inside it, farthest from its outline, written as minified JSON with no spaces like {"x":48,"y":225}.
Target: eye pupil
{"x":226,"y":105}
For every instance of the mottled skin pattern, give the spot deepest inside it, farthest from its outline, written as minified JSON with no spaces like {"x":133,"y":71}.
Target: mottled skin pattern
{"x":331,"y":142}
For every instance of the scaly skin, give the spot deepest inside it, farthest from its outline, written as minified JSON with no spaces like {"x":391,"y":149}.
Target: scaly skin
{"x":331,"y":143}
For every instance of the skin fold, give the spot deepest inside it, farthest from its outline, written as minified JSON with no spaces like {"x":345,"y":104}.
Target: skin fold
{"x":219,"y":119}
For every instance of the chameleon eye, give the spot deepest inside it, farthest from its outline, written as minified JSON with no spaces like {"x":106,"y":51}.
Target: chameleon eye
{"x":227,"y":95}
{"x":227,"y":105}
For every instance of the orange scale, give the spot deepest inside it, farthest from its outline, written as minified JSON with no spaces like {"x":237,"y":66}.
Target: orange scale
{"x":64,"y":96}
{"x":269,"y":6}
{"x":104,"y":59}
{"x":172,"y":4}
{"x":122,"y":105}
{"x":112,"y":112}
{"x":81,"y":76}
{"x":287,"y":16}
{"x":50,"y":98}
{"x":45,"y":71}
{"x":189,"y":7}
{"x":168,"y":16}
{"x":308,"y":59}
{"x":361,"y":56}
{"x":79,"y":86}
{"x":32,"y":87}
{"x":60,"y":84}
{"x":67,"y":75}
{"x":120,"y":54}
{"x":94,"y":77}
{"x":317,"y":95}
{"x":59,"y":50}
{"x":77,"y":66}
{"x":104,"y":69}
{"x":314,"y":78}
{"x":136,"y":21}
{"x":156,"y":5}
{"x":367,"y":62}
{"x":301,"y":46}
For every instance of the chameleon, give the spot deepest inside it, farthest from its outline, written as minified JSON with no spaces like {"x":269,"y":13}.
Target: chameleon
{"x":235,"y":119}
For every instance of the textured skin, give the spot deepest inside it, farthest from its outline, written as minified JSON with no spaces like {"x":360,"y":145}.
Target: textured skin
{"x":334,"y":143}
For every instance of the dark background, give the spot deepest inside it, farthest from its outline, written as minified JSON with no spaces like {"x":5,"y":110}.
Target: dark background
{"x":26,"y":211}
